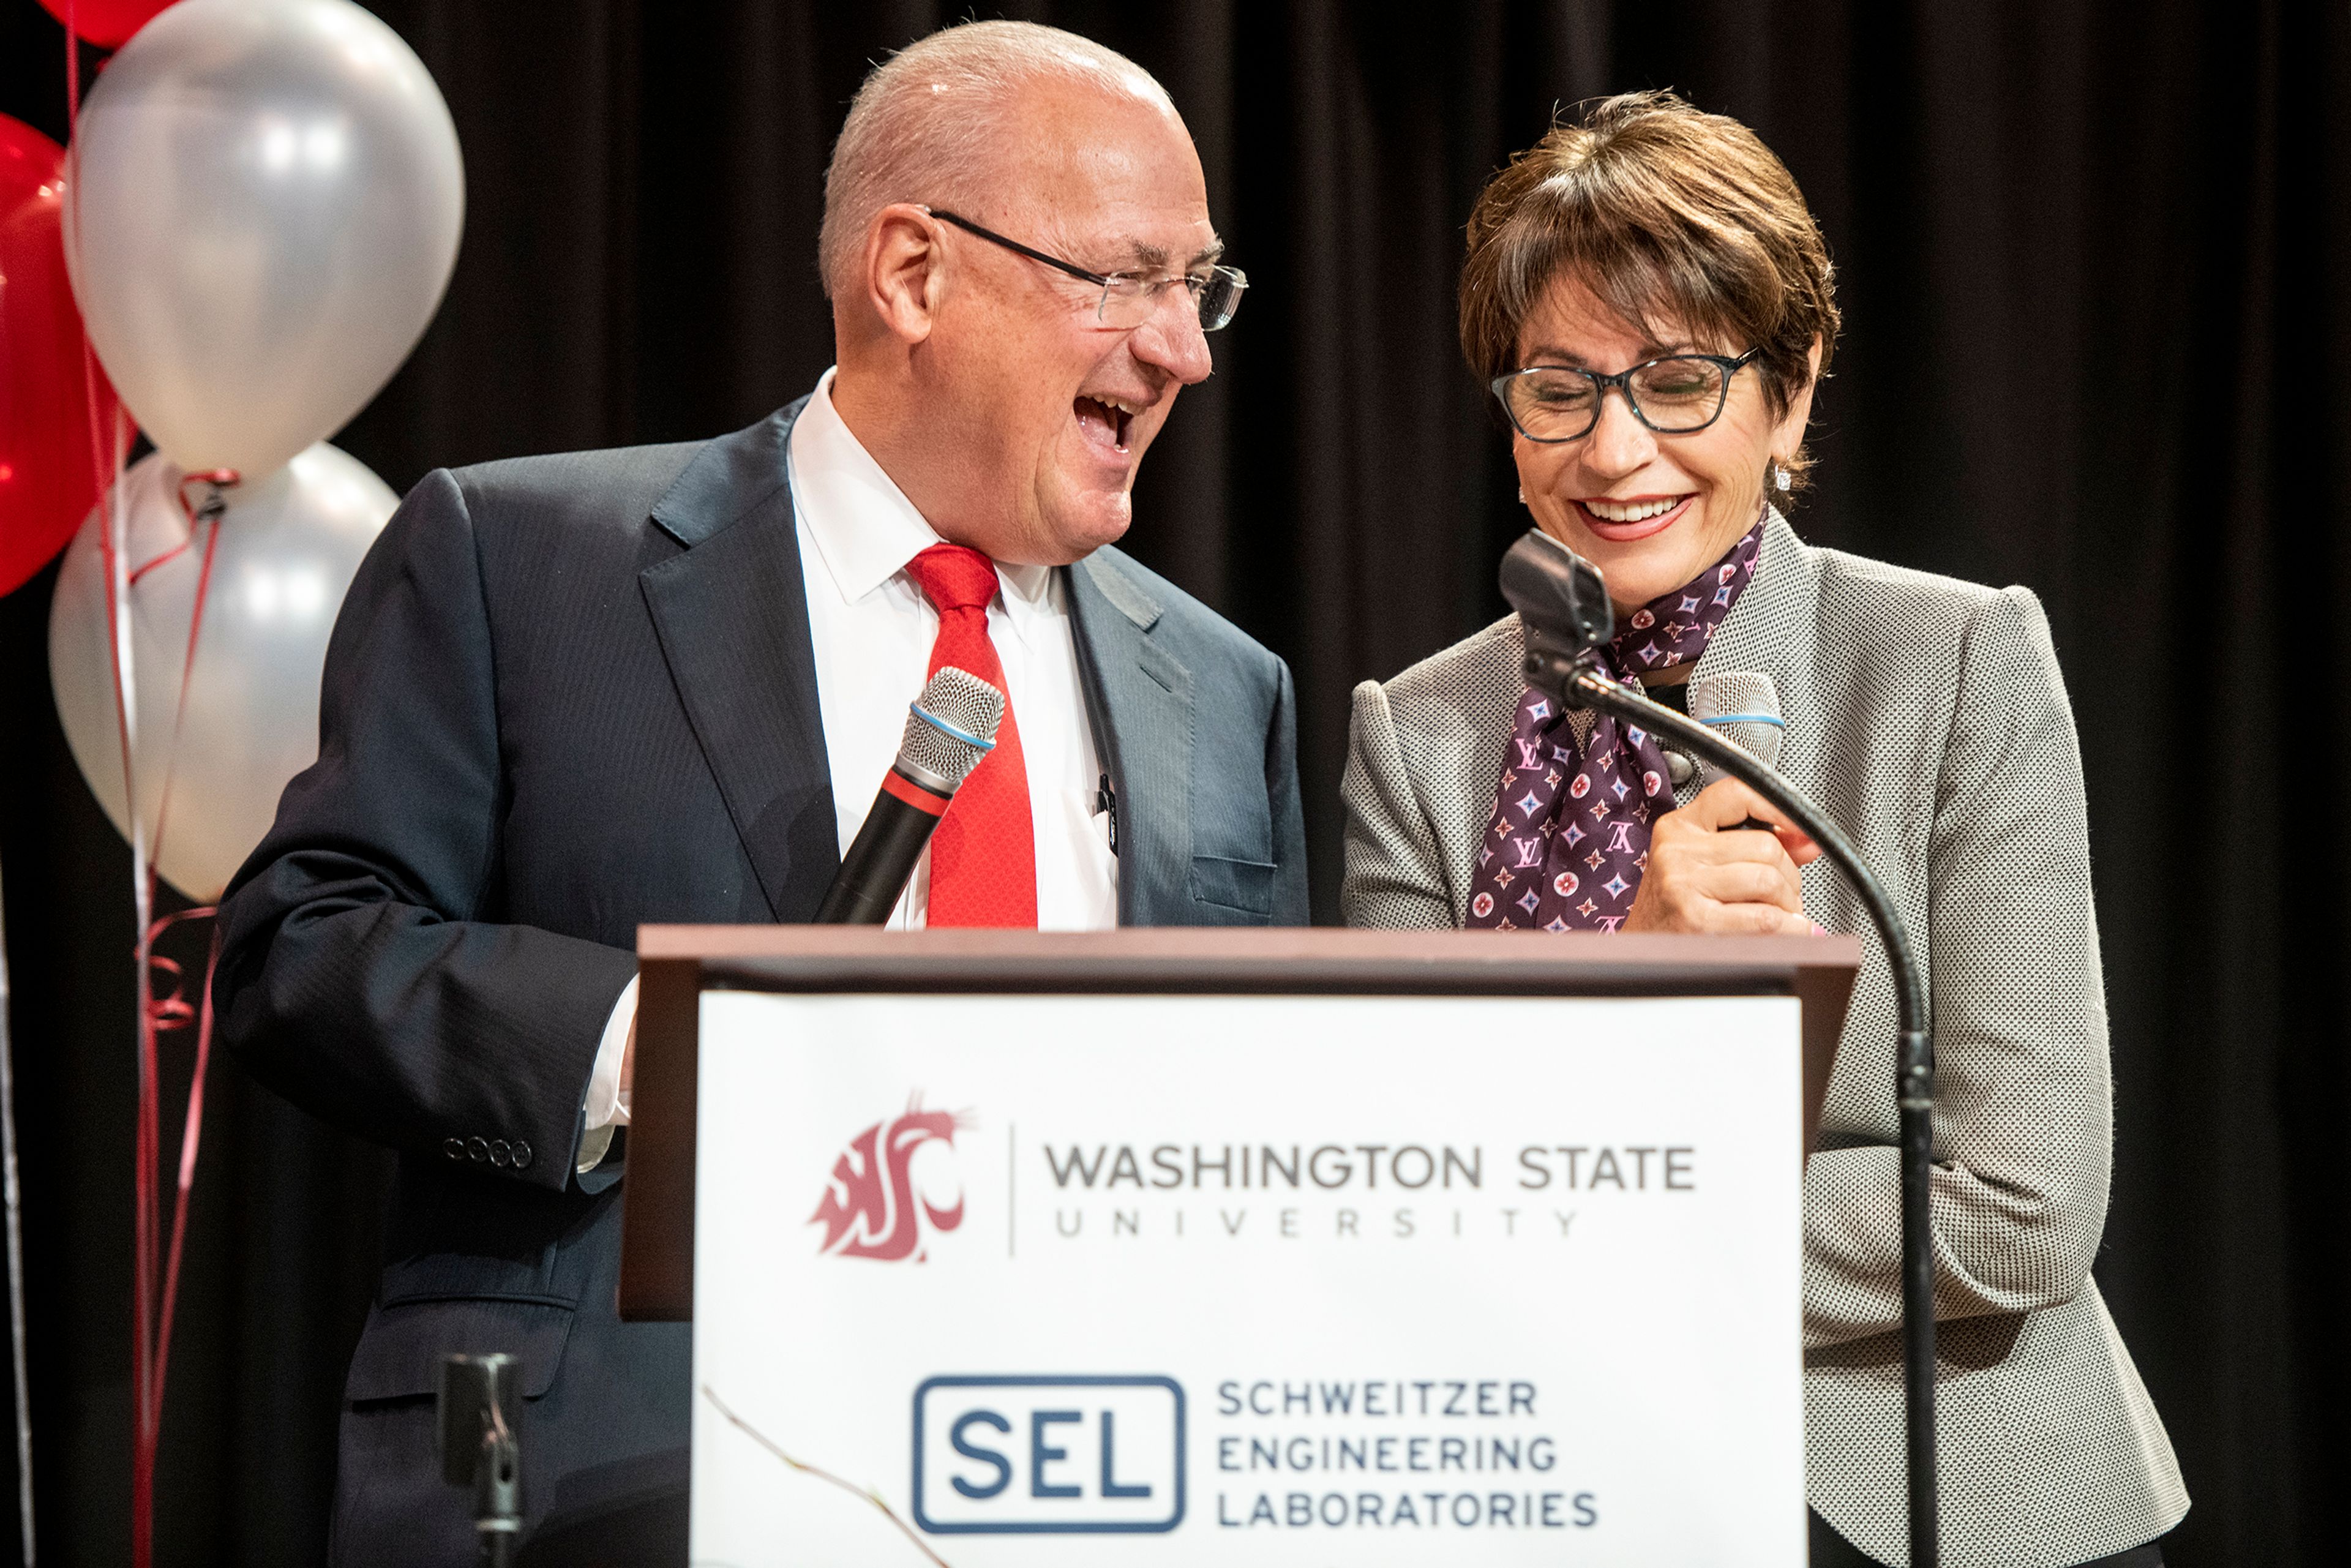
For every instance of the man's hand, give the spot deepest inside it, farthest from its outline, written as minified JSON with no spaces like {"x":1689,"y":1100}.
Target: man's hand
{"x":1706,"y":874}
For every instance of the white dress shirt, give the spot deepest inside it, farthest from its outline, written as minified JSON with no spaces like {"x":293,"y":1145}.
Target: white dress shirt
{"x":872,"y":632}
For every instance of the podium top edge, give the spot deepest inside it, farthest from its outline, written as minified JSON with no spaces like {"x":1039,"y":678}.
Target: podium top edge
{"x":1254,"y":960}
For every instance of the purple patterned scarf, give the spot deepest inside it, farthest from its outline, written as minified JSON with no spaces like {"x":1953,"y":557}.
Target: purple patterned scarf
{"x":1569,"y":837}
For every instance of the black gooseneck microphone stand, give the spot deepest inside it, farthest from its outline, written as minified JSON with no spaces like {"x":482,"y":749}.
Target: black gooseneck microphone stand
{"x":480,"y":1408}
{"x":1562,"y":603}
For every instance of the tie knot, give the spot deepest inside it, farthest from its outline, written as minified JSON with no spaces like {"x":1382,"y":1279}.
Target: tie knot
{"x":953,"y":577}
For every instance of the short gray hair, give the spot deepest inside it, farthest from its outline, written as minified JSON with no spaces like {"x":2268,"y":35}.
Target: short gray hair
{"x":929,"y":119}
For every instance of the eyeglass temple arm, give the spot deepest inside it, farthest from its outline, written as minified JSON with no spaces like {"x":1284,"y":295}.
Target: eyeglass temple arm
{"x":1013,"y":245}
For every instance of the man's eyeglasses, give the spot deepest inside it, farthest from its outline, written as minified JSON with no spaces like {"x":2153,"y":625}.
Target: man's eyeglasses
{"x":1677,"y":395}
{"x":1128,"y":299}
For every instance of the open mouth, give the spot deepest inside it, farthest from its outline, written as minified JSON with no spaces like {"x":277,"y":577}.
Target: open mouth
{"x":1638,"y":518}
{"x":1105,"y":420}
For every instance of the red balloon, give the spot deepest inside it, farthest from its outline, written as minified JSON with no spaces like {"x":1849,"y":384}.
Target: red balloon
{"x":49,"y":481}
{"x":106,"y":22}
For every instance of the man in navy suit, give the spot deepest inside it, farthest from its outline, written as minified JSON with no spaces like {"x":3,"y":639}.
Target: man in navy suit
{"x":570,"y":694}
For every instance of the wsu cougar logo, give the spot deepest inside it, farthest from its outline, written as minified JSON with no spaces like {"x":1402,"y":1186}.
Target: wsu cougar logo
{"x":869,"y":1203}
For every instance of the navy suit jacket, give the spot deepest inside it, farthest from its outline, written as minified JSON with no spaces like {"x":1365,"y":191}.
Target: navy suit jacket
{"x":567,"y":697}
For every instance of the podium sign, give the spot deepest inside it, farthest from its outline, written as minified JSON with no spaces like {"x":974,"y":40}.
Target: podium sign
{"x":1159,"y":1277}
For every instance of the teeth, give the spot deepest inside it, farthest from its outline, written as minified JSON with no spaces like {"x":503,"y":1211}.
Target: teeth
{"x":1612,"y":512}
{"x":1128,"y":409}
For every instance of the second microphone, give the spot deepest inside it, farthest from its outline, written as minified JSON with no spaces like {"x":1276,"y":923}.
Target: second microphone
{"x":949,"y":728}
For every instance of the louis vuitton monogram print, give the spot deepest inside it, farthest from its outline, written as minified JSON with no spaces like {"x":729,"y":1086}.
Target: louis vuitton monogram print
{"x":1569,"y":837}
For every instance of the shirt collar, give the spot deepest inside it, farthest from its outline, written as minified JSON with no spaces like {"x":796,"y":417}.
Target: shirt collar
{"x":866,"y":530}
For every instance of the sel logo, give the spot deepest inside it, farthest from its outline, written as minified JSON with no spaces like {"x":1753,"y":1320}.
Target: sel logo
{"x":869,"y":1205}
{"x":1049,"y":1456}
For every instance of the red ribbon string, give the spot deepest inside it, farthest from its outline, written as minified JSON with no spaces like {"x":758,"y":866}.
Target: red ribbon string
{"x":165,"y":1014}
{"x":172,"y":1012}
{"x":159,"y":1015}
{"x":106,"y":468}
{"x":155,"y":1267}
{"x":195,"y":512}
{"x":209,"y":513}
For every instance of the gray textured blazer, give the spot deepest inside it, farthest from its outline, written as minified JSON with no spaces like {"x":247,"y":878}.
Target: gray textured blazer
{"x":1927,"y":718}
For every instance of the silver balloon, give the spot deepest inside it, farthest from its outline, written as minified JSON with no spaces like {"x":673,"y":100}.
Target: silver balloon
{"x":289,"y":547}
{"x":265,"y":202}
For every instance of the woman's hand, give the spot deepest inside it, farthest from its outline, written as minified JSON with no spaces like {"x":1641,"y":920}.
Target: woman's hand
{"x":1708,"y":875}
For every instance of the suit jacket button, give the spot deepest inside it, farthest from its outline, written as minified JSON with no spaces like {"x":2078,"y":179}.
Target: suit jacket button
{"x":519,"y":1153}
{"x":498,"y":1152}
{"x":477,"y":1149}
{"x":453,"y":1148}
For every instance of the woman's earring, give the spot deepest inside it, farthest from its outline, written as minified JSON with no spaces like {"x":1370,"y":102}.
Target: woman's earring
{"x":1522,"y":495}
{"x":1782,"y":478}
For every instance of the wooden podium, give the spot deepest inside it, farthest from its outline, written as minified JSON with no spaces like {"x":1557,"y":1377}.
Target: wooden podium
{"x":1128,"y":1133}
{"x":676,"y":963}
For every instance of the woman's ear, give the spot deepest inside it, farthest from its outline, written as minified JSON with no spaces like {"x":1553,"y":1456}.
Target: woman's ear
{"x":1790,"y":436}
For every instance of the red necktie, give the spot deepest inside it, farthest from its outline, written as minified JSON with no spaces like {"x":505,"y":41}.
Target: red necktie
{"x":984,"y":851}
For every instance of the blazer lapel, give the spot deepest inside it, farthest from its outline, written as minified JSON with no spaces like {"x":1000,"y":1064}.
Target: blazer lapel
{"x":1778,"y":601}
{"x":1139,"y":701}
{"x":732,"y":615}
{"x":1761,"y":634}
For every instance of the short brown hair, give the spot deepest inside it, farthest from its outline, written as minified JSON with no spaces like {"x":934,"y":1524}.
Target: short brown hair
{"x":1664,"y":212}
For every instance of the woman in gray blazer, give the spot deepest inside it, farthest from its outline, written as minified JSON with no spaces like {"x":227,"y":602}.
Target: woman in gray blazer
{"x":1653,"y":305}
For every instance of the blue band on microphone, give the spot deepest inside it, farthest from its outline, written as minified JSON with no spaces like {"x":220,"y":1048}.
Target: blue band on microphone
{"x":1771,"y":720}
{"x":943,"y":727}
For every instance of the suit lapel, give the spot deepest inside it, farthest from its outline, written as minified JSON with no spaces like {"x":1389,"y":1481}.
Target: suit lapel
{"x":1139,"y":701}
{"x":1761,"y":634}
{"x":732,"y":615}
{"x":1777,"y":602}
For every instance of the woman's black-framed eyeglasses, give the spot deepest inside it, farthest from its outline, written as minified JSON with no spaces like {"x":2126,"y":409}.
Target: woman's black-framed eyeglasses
{"x":1678,"y":394}
{"x":1128,"y":299}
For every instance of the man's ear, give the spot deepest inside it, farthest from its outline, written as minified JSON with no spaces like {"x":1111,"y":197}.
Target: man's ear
{"x":904,"y":270}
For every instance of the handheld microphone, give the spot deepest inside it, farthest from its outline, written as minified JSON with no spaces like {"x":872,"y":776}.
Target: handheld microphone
{"x":949,"y":728}
{"x":1743,"y":707}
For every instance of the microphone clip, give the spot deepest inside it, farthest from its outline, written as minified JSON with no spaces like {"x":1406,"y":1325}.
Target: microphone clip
{"x":1106,"y":805}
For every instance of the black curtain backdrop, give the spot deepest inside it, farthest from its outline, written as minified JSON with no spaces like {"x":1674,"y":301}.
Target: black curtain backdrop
{"x":2092,"y":259}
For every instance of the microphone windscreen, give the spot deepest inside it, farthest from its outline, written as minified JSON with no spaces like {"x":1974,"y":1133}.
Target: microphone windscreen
{"x":950,"y":727}
{"x":1743,"y":707}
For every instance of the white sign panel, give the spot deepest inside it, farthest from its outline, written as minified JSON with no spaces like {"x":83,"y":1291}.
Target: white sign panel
{"x":1247,"y":1279}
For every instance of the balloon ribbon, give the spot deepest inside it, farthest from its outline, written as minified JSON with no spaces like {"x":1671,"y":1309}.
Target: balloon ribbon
{"x":156,"y":1278}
